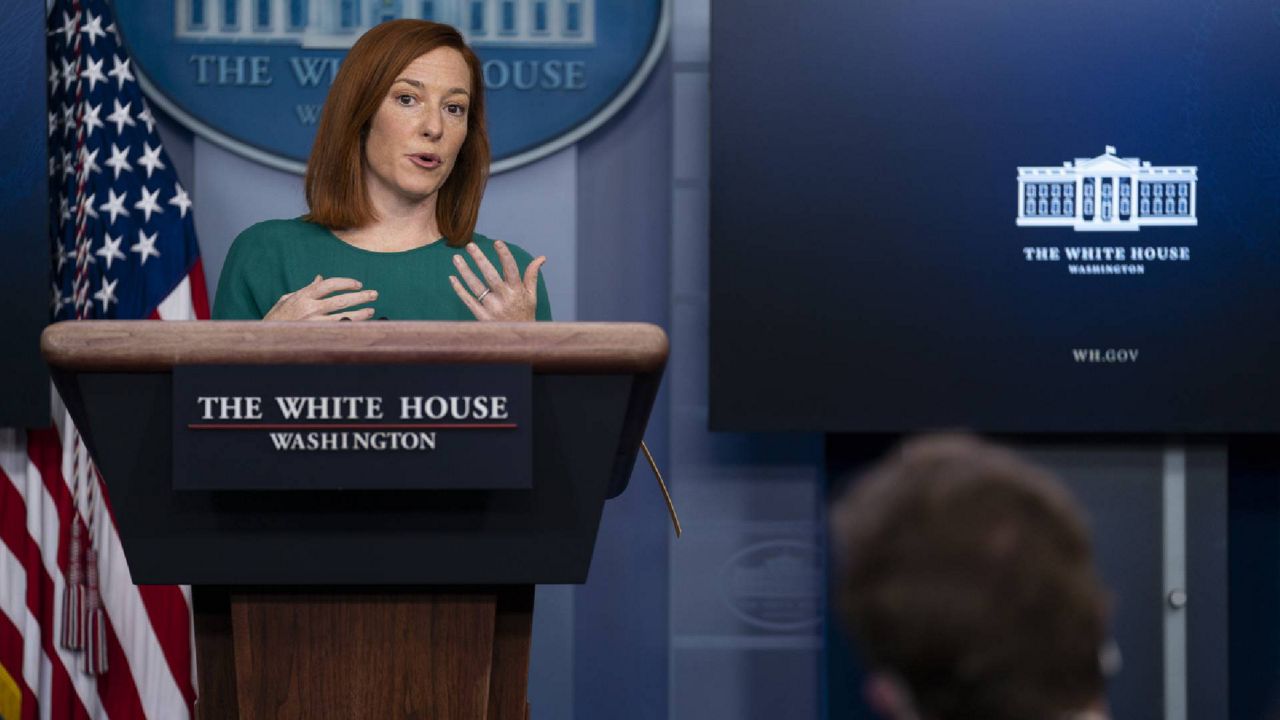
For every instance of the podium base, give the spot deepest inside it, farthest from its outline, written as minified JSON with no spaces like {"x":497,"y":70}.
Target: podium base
{"x":439,"y":652}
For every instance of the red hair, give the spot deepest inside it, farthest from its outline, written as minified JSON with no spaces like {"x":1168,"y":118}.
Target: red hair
{"x":335,"y":182}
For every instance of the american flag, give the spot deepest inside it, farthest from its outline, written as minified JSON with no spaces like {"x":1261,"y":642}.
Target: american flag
{"x":124,"y":247}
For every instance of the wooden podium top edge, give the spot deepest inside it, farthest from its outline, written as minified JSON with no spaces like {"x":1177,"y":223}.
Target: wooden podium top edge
{"x":156,"y":346}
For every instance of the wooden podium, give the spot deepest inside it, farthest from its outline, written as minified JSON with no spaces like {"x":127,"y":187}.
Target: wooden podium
{"x":404,"y":603}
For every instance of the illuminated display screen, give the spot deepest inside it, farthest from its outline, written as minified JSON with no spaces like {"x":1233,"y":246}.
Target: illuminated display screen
{"x":1038,"y":216}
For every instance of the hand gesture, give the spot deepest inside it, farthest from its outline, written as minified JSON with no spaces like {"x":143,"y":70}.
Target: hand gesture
{"x":317,"y":301}
{"x":509,"y":297}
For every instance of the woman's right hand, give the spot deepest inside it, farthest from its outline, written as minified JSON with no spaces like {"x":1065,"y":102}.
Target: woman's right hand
{"x":317,"y":301}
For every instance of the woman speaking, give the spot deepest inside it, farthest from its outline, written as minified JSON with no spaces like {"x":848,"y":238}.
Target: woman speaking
{"x":394,"y":182}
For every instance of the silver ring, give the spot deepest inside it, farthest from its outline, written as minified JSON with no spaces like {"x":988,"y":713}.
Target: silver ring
{"x":481,"y":297}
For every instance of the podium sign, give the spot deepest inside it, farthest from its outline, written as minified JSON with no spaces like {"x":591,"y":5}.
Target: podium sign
{"x":343,"y":427}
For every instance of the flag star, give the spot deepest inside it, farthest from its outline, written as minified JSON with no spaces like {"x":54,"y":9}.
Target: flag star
{"x":110,"y":249}
{"x":62,"y":301}
{"x":59,"y":300}
{"x":120,"y":116}
{"x":62,"y":260}
{"x":69,"y":73}
{"x":115,"y":33}
{"x":54,"y":120}
{"x":67,"y":166}
{"x":66,"y":257}
{"x":89,"y":162}
{"x":87,"y":204}
{"x":120,"y":71}
{"x":70,"y":24}
{"x":68,"y":118}
{"x":119,"y":161}
{"x":148,"y":204}
{"x":93,"y":28}
{"x":107,"y":294}
{"x":53,"y":166}
{"x":145,"y":247}
{"x":53,"y":78}
{"x":91,"y":119}
{"x":115,"y":205}
{"x":64,"y":209}
{"x":93,"y":73}
{"x":151,"y":158}
{"x":145,"y":117}
{"x":181,"y":199}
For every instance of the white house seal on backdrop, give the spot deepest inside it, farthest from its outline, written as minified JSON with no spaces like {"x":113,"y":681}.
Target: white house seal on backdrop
{"x":251,"y":75}
{"x":337,"y":23}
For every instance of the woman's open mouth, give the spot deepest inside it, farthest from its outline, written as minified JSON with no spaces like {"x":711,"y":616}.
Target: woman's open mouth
{"x":426,"y":161}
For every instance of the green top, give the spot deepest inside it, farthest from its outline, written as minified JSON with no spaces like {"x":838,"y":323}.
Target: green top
{"x":279,"y":256}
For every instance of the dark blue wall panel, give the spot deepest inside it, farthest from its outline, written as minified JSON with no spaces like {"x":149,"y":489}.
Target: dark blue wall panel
{"x":24,"y":237}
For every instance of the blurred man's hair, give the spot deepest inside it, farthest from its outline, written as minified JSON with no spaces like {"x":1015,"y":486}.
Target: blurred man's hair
{"x":967,"y":575}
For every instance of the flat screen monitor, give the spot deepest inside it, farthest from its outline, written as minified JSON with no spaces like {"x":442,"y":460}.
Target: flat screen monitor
{"x":1046,"y":216}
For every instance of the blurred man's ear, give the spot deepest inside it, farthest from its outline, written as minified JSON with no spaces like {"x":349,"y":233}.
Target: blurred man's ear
{"x":889,"y":697}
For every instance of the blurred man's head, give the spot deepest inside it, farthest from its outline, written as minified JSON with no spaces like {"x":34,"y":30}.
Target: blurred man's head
{"x":967,"y":579}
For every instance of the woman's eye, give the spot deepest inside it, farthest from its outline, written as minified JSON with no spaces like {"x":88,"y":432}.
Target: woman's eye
{"x":405,"y":100}
{"x":456,"y":109}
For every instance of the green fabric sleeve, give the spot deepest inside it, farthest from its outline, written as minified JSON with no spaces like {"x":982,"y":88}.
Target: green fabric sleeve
{"x":234,"y":299}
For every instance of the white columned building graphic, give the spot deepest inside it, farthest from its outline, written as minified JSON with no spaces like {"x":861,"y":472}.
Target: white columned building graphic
{"x":1106,"y":193}
{"x":335,"y":24}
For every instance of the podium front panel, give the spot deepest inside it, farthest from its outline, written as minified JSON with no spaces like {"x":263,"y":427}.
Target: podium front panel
{"x":354,"y":537}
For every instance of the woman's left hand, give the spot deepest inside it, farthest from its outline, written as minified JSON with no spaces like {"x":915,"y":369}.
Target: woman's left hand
{"x":505,"y":298}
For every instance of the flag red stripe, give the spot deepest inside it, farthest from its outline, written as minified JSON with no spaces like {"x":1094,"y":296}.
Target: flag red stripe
{"x":117,"y":688}
{"x":170,"y":619}
{"x":11,"y":660}
{"x":11,"y":643}
{"x":165,"y":606}
{"x":199,"y":290}
{"x":63,"y":700}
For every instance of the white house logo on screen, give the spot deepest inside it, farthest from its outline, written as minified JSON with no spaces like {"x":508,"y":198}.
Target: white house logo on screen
{"x":1106,"y":193}
{"x":252,"y":75}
